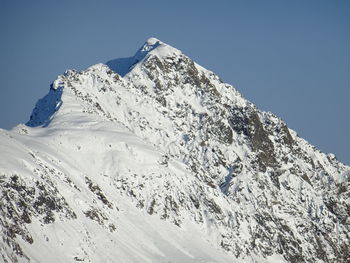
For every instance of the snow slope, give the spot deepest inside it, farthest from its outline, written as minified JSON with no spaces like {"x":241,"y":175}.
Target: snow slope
{"x":153,"y":158}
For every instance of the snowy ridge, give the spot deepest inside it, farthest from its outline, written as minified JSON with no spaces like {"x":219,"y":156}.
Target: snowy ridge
{"x":164,"y":161}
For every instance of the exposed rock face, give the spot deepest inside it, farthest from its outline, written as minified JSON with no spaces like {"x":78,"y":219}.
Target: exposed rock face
{"x":179,"y":144}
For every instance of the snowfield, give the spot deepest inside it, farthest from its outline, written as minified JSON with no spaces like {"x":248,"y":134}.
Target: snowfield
{"x":153,"y":158}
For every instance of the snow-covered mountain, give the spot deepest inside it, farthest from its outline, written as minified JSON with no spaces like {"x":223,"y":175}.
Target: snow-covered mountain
{"x":153,"y":158}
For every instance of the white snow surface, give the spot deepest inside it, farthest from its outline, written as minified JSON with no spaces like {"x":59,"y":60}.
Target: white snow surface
{"x":160,"y":164}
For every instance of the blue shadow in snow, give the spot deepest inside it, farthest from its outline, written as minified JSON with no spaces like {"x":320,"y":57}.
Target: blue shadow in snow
{"x":121,"y":65}
{"x":45,"y":108}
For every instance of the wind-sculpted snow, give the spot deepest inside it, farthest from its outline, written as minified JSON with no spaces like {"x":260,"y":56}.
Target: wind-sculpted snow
{"x":165,"y":163}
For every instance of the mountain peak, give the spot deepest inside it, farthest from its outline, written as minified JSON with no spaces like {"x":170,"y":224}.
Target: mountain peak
{"x":122,"y":66}
{"x":151,"y":44}
{"x":106,"y":158}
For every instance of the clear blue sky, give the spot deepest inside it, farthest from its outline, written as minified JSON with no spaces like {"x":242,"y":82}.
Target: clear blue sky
{"x":288,"y":57}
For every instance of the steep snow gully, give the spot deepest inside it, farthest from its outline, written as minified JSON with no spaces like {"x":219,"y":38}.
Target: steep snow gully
{"x":152,"y":158}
